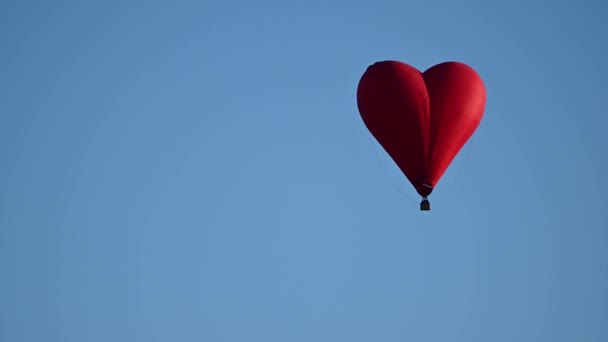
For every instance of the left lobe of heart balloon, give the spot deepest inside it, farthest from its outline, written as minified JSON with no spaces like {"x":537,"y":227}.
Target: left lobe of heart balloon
{"x":394,"y":105}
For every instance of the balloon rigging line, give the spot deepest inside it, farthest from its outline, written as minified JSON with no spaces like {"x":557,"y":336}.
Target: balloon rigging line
{"x":458,"y":175}
{"x":460,"y":172}
{"x":386,"y":171}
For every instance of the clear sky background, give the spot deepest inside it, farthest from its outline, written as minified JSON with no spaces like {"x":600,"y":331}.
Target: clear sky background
{"x":198,"y":171}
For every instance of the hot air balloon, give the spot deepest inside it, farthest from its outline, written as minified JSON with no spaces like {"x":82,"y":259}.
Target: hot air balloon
{"x":421,"y":119}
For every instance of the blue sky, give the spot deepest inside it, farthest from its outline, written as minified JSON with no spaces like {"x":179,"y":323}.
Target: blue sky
{"x":198,"y":171}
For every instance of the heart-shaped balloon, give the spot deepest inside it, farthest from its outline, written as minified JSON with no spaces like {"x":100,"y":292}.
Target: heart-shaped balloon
{"x":422,"y":120}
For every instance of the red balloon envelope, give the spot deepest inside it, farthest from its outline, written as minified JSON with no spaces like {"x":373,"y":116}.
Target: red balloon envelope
{"x":422,"y":120}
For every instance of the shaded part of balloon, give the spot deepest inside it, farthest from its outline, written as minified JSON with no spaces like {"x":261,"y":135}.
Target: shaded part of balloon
{"x":382,"y":100}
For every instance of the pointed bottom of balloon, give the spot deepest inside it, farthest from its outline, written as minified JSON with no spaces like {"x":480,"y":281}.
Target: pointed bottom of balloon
{"x":425,"y":205}
{"x":423,"y":189}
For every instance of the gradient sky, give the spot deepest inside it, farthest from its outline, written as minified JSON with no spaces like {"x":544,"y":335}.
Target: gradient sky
{"x":198,"y":171}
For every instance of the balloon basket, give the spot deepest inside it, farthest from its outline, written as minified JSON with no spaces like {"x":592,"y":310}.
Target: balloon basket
{"x":425,"y":205}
